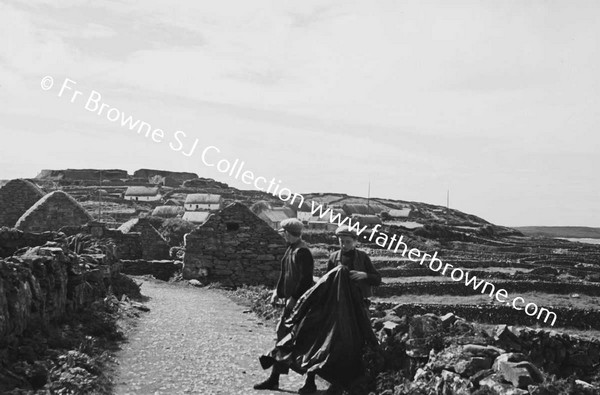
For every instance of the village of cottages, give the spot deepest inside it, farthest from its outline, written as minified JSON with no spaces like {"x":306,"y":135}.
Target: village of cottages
{"x":198,"y":207}
{"x":233,"y":241}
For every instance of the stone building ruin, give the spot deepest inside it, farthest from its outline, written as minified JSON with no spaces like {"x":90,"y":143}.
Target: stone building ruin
{"x":233,"y":247}
{"x":154,"y":246}
{"x":52,"y":212}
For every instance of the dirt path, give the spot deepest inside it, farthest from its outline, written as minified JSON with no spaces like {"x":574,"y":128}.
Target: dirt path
{"x":196,"y":341}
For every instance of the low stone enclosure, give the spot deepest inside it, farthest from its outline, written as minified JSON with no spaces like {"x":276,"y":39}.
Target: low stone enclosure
{"x":234,"y":247}
{"x":127,"y":245}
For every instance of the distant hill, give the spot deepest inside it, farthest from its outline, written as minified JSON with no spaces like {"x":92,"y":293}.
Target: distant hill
{"x":82,"y":174}
{"x":561,"y":231}
{"x":399,"y":213}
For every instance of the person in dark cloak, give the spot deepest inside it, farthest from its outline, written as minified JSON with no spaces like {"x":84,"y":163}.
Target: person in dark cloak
{"x":297,"y":266}
{"x":362,"y":271}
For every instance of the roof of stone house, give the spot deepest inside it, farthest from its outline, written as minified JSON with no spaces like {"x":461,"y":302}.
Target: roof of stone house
{"x":167,"y":211}
{"x":288,"y":210}
{"x":366,"y":219}
{"x":202,"y":198}
{"x":275,"y":215}
{"x":172,"y":202}
{"x":16,"y":196}
{"x":128,"y":226}
{"x":296,"y":206}
{"x":197,"y":217}
{"x":22,"y":183}
{"x":142,"y":191}
{"x":136,"y":224}
{"x":56,"y":197}
{"x":394,"y":213}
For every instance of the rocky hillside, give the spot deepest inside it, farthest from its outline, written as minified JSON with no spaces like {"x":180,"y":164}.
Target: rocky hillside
{"x":83,"y":185}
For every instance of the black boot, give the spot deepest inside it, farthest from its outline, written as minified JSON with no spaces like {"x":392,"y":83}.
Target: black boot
{"x":309,"y":386}
{"x":272,"y":383}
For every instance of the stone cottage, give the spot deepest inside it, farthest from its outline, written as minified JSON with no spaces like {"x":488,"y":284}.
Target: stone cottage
{"x":273,"y":217}
{"x":203,"y":202}
{"x":143,"y":194}
{"x":234,"y":247}
{"x":16,"y":197}
{"x":154,"y":246}
{"x":168,"y":211}
{"x":52,"y":212}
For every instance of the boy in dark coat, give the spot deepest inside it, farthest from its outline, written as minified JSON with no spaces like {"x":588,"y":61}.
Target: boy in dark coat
{"x":296,"y":277}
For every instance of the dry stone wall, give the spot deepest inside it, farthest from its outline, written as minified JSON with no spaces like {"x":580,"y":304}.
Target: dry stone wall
{"x":512,"y":287}
{"x":128,"y":245}
{"x":497,"y":314}
{"x":45,"y":283}
{"x":12,"y":240}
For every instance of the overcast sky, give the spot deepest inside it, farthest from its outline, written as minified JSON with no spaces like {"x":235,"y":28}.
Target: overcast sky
{"x":497,"y":101}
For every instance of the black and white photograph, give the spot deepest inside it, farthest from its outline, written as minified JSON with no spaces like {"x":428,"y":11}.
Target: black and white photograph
{"x":387,"y":197}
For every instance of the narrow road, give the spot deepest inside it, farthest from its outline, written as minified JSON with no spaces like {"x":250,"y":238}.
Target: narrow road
{"x":196,"y":341}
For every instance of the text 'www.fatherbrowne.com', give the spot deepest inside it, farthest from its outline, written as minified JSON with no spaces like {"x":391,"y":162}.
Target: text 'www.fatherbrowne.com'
{"x":395,"y":244}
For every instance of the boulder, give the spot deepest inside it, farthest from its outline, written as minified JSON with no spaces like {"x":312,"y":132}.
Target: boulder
{"x":417,"y":348}
{"x":482,"y":351}
{"x":509,"y":357}
{"x":506,"y":339}
{"x":448,"y":319}
{"x":391,"y":328}
{"x":585,"y":385}
{"x":445,"y":360}
{"x":454,"y":384}
{"x":472,"y":365}
{"x":461,"y":326}
{"x":424,"y":326}
{"x":493,"y":383}
{"x":520,"y":374}
{"x":482,"y":374}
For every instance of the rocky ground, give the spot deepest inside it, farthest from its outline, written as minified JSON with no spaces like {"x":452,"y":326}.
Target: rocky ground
{"x":430,"y":354}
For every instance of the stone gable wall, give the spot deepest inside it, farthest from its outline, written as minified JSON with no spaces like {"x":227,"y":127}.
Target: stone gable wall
{"x":57,"y":210}
{"x":46,"y":283}
{"x":234,"y":247}
{"x":16,"y":197}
